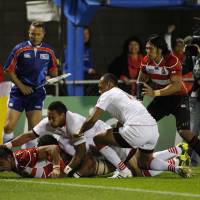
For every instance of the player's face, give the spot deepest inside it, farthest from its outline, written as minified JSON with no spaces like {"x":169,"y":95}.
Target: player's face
{"x":56,"y":119}
{"x":36,"y":35}
{"x":152,"y":51}
{"x":103,"y":86}
{"x":5,"y":164}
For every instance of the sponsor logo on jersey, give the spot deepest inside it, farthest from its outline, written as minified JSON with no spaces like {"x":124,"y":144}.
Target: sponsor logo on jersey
{"x":150,"y":69}
{"x":27,"y":55}
{"x":44,"y":56}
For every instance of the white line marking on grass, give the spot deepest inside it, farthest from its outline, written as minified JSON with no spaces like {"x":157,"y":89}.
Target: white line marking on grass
{"x":106,"y":188}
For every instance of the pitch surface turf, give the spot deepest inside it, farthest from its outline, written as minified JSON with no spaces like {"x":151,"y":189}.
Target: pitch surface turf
{"x":167,"y":186}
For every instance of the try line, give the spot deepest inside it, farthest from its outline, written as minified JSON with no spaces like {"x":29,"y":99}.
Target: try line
{"x":106,"y":188}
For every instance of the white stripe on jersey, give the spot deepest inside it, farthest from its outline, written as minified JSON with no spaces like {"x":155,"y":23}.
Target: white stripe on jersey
{"x":157,"y":70}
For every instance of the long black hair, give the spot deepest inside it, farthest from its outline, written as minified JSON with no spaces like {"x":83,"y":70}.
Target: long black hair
{"x":5,"y":152}
{"x":159,"y":42}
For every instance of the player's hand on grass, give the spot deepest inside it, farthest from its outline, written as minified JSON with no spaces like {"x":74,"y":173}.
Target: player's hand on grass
{"x":56,"y":171}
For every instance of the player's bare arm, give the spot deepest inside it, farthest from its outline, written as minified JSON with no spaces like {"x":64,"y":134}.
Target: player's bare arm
{"x":80,"y":152}
{"x":54,"y":152}
{"x":21,"y":139}
{"x":173,"y":87}
{"x":25,"y":89}
{"x":91,"y":120}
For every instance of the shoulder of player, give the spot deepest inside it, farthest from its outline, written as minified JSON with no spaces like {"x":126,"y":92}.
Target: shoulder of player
{"x":74,"y":115}
{"x":145,"y":60}
{"x":26,"y":153}
{"x":21,"y":45}
{"x":47,"y":47}
{"x":43,"y":123}
{"x":109,"y":94}
{"x":171,"y":61}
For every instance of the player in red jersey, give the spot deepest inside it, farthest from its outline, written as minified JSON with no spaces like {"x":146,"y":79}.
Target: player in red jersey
{"x":38,"y":162}
{"x":170,"y":95}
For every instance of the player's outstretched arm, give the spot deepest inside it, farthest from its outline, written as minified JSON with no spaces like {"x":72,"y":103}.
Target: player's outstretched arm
{"x":21,"y":139}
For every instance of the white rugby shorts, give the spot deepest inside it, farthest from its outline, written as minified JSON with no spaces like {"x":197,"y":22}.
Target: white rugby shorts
{"x":144,"y":137}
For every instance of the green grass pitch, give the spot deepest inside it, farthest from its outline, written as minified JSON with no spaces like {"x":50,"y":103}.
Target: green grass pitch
{"x":167,"y":186}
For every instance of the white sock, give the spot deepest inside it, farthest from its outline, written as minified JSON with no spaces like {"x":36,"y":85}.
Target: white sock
{"x":167,"y":154}
{"x":160,"y":165}
{"x":160,"y":155}
{"x":113,"y":158}
{"x":7,"y":137}
{"x":173,"y":161}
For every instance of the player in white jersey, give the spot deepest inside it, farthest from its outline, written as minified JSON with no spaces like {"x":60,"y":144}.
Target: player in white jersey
{"x":139,"y":129}
{"x":62,"y":122}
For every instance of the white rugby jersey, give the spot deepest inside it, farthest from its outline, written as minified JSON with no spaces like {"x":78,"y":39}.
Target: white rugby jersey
{"x":125,"y":108}
{"x":74,"y":122}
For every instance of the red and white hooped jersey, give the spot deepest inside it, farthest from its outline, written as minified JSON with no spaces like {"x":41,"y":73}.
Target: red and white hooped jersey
{"x":27,"y":161}
{"x":160,"y":73}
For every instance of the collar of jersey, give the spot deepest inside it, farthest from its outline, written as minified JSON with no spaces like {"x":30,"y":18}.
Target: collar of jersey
{"x":37,"y":46}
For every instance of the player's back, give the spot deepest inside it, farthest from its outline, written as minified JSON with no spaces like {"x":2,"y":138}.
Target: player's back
{"x":125,"y":108}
